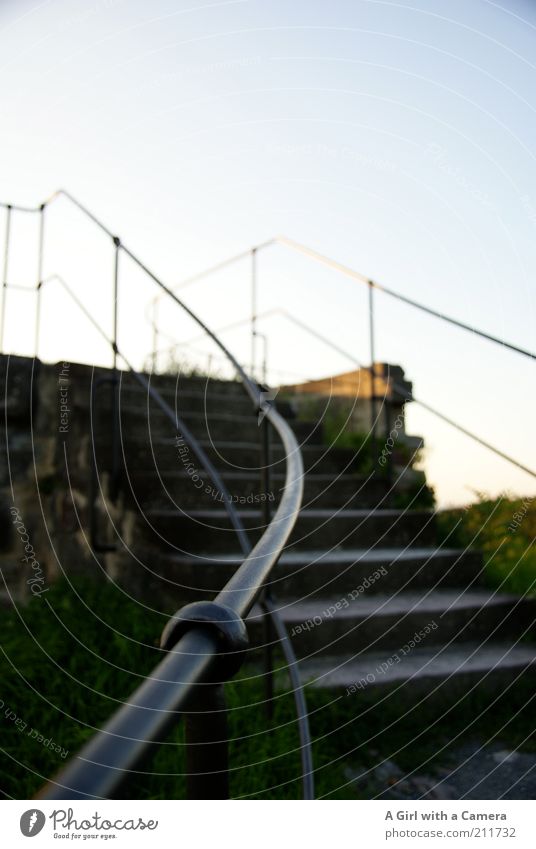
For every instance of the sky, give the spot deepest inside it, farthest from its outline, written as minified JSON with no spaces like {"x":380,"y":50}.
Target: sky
{"x":396,"y":138}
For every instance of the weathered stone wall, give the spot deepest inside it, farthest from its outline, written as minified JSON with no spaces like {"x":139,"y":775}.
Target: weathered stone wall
{"x":46,"y":448}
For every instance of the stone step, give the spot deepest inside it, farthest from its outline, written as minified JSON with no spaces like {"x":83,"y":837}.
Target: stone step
{"x":221,"y":426}
{"x":185,"y":399}
{"x":431,"y":674}
{"x":338,"y":572}
{"x":134,"y":399}
{"x":179,"y":383}
{"x":169,"y":488}
{"x":231,"y":456}
{"x":169,"y":385}
{"x":211,"y":530}
{"x":389,"y":622}
{"x":335,"y":574}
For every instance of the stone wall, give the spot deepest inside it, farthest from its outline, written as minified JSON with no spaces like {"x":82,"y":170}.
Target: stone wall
{"x":44,"y":474}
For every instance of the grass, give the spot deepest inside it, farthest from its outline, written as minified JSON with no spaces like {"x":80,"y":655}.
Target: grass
{"x":504,"y":529}
{"x":64,"y":671}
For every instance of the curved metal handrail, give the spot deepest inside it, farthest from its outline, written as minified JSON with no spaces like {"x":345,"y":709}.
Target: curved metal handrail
{"x":103,"y":763}
{"x":269,"y":547}
{"x":399,"y":387}
{"x":317,"y":257}
{"x":173,"y":417}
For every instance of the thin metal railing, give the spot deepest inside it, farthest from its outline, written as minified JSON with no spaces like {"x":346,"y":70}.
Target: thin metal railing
{"x":203,"y":639}
{"x":400,"y":388}
{"x":334,"y":265}
{"x":242,"y":588}
{"x":372,"y":286}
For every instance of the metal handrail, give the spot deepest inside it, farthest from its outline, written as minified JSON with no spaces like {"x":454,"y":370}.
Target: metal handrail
{"x":317,"y":257}
{"x":355,"y":275}
{"x":200,"y":641}
{"x":172,"y":415}
{"x":372,"y":287}
{"x":399,"y":387}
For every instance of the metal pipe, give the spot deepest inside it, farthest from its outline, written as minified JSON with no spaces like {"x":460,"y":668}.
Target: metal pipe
{"x":106,"y":762}
{"x":220,"y":266}
{"x":253,"y":309}
{"x":115,"y":295}
{"x":372,"y":373}
{"x":266,"y":518}
{"x":268,"y":660}
{"x":206,"y":734}
{"x":94,"y":486}
{"x":155,"y":333}
{"x":175,"y":419}
{"x":403,"y":393}
{"x":4,"y":275}
{"x":355,"y":275}
{"x":39,"y":278}
{"x":242,"y":589}
{"x":283,"y":240}
{"x":389,"y":466}
{"x":114,"y":481}
{"x":265,"y":360}
{"x":306,"y":749}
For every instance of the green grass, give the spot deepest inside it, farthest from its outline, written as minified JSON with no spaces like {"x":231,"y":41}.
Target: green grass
{"x":504,"y":529}
{"x":64,"y":672}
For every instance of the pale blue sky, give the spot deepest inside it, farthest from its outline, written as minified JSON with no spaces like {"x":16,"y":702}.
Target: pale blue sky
{"x":397,"y":138}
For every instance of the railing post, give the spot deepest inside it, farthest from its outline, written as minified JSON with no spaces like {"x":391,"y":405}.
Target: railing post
{"x":253,"y":310}
{"x":264,"y":368}
{"x":389,"y":401}
{"x":155,"y":333}
{"x":114,"y":483}
{"x":94,"y":490}
{"x":268,"y":631}
{"x":372,"y":374}
{"x":389,"y":461}
{"x":39,"y":277}
{"x":206,"y":729}
{"x":117,"y":247}
{"x":4,"y":275}
{"x":206,"y":734}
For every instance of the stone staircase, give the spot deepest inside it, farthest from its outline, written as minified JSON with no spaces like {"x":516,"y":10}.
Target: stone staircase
{"x":370,"y":600}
